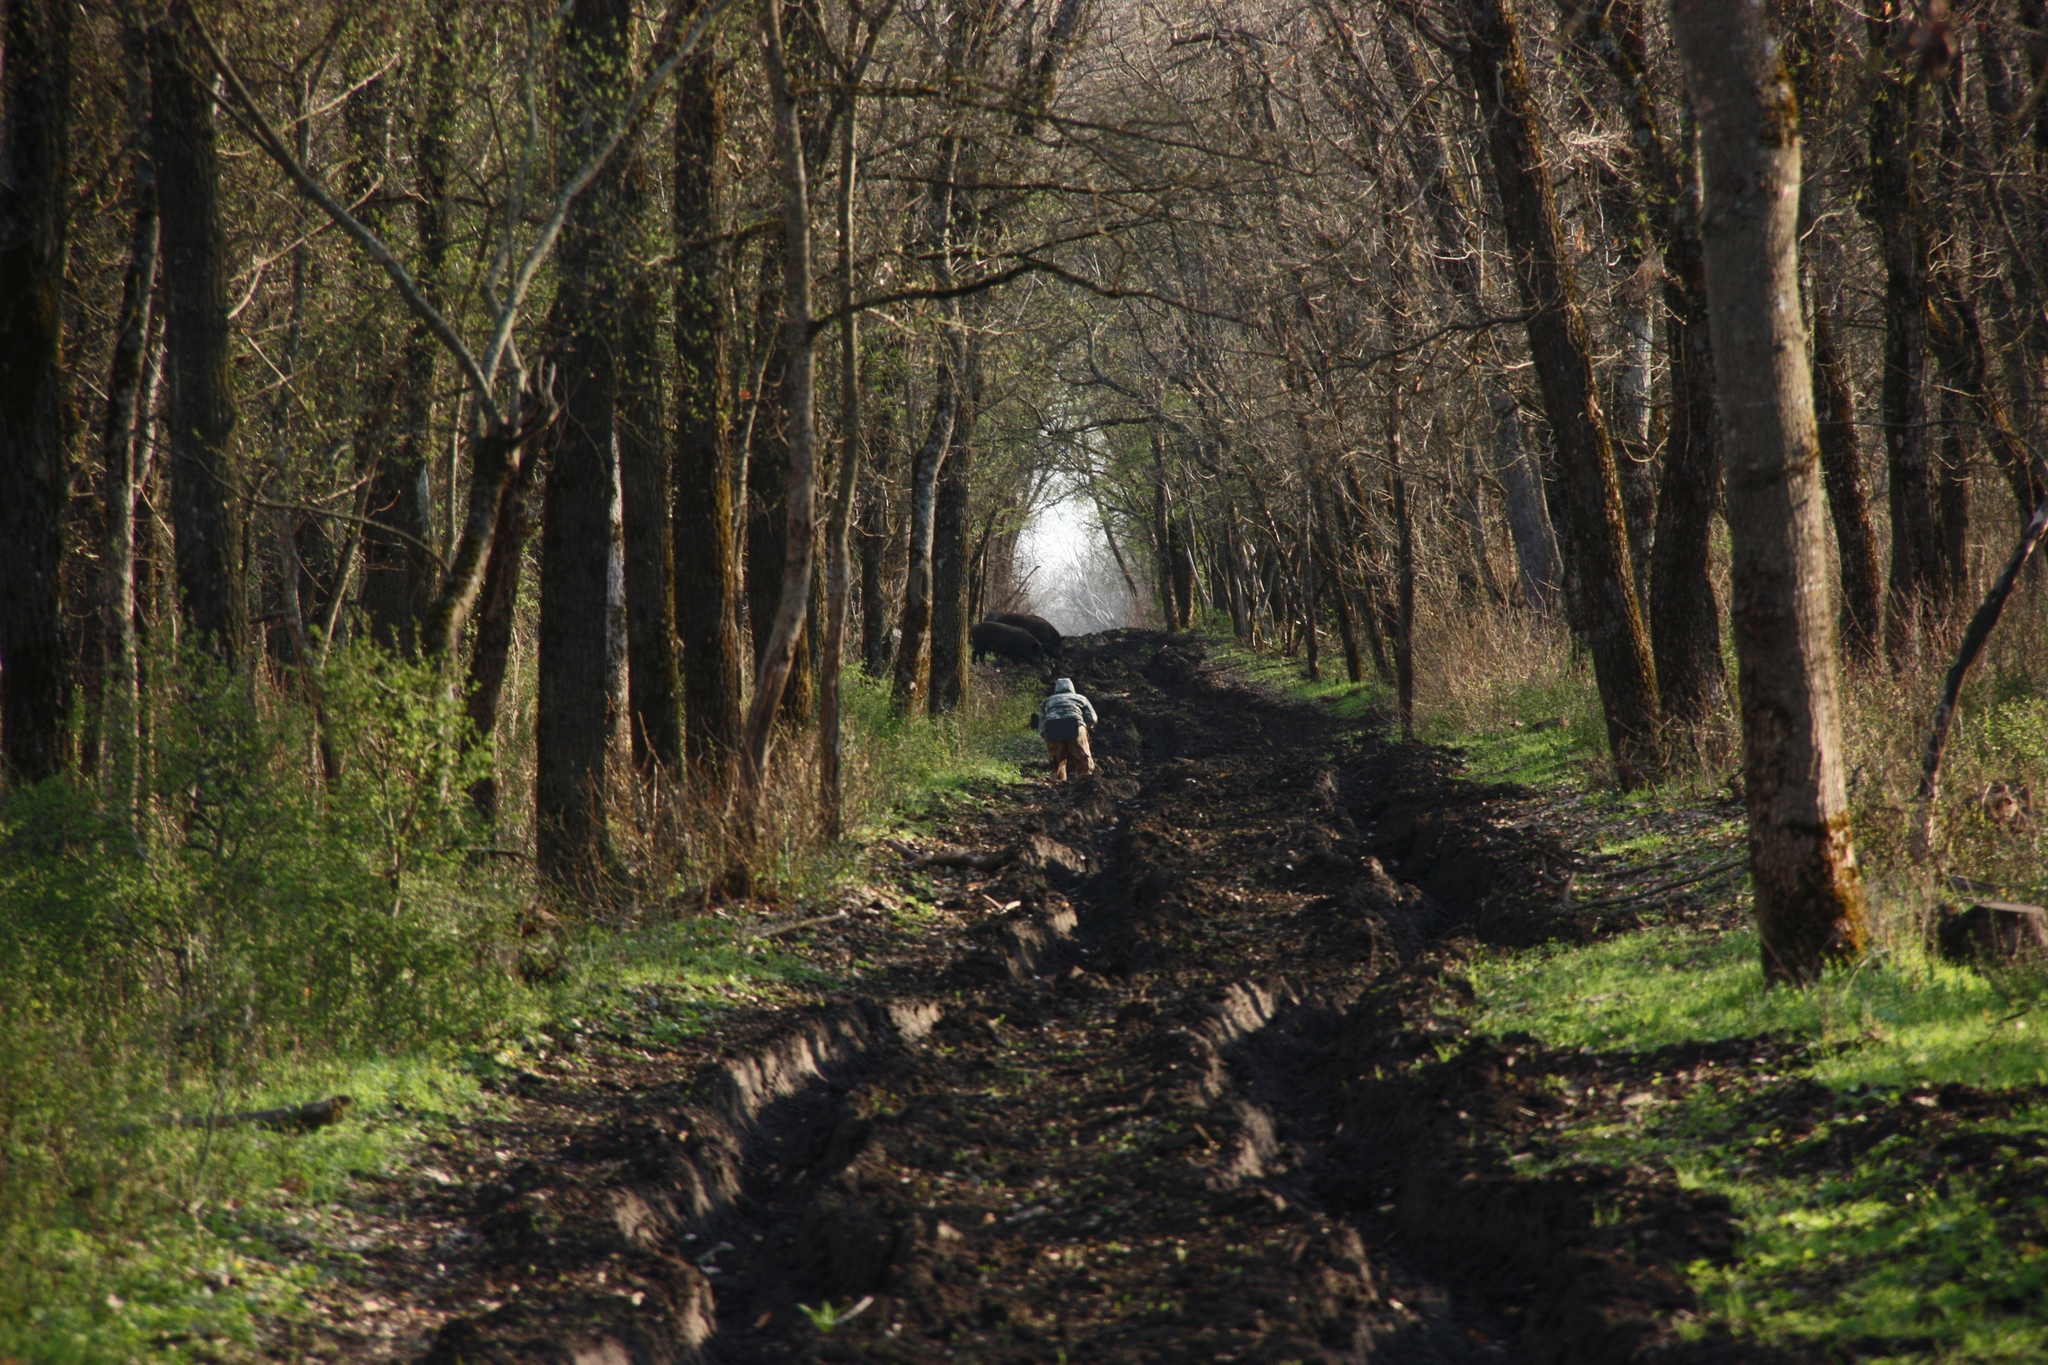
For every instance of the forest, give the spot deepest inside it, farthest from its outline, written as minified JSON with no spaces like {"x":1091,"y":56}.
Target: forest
{"x":494,"y":498}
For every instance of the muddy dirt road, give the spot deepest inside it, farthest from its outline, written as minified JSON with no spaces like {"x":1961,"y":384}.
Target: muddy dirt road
{"x":1180,"y":1080}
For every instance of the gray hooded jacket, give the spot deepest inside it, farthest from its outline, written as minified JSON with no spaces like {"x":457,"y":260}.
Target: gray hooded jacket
{"x":1064,"y":705}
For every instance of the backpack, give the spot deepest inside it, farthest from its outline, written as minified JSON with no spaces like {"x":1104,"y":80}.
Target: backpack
{"x":1060,"y":728}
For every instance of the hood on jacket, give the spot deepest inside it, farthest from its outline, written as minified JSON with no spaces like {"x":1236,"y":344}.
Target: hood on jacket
{"x":1062,"y":685}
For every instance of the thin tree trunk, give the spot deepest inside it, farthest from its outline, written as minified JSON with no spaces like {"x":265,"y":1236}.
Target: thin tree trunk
{"x":1559,"y":344}
{"x":618,"y":702}
{"x":1953,"y":500}
{"x":1894,"y":205}
{"x":35,"y":673}
{"x":434,"y":166}
{"x":1684,"y":621}
{"x":400,"y":506}
{"x":201,"y":413}
{"x":1183,"y":564}
{"x":1635,"y":453}
{"x":874,"y":591}
{"x":1536,"y":555}
{"x":1471,"y":510}
{"x":1340,"y":603}
{"x":496,"y":604}
{"x":1841,"y":462}
{"x":121,"y":451}
{"x":706,"y":558}
{"x":1809,"y":893}
{"x":779,"y":656}
{"x":950,"y":553}
{"x":1958,"y":341}
{"x":653,"y":680}
{"x":839,"y":524}
{"x":1974,"y":639}
{"x":304,"y":657}
{"x":913,"y":654}
{"x":572,"y":736}
{"x":1404,"y":569}
{"x":1162,"y":568}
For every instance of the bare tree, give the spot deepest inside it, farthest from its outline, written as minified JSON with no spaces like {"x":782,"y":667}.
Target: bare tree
{"x":1809,"y":892}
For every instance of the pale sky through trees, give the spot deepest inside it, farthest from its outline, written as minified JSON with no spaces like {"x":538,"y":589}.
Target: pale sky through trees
{"x":1069,"y":574}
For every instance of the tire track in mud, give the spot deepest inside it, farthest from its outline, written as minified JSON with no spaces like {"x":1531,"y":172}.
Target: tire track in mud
{"x":1199,"y":1098}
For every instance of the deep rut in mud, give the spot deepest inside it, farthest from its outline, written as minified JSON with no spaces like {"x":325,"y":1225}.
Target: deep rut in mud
{"x":1199,"y":1095}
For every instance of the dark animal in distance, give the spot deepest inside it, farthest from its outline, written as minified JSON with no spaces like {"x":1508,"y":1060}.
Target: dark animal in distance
{"x":1037,"y":627}
{"x":1005,"y":642}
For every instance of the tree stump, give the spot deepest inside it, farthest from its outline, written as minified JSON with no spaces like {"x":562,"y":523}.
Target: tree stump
{"x":1992,"y":933}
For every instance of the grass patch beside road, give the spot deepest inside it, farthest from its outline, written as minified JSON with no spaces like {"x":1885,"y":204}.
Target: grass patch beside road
{"x":1883,"y":1135}
{"x":1886,"y":1149}
{"x":261,"y":939}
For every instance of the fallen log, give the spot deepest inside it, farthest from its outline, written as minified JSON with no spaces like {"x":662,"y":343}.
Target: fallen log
{"x":956,"y":857}
{"x":301,"y":1118}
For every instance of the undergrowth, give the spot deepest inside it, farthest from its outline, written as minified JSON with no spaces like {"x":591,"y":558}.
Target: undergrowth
{"x":239,"y":934}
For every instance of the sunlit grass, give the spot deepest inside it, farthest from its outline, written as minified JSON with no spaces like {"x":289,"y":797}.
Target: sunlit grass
{"x":125,"y":1237}
{"x":1895,"y":1251}
{"x":1368,"y":702}
{"x":1896,"y":1019}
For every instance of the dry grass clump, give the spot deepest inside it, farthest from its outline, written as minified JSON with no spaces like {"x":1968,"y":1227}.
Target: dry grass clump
{"x":681,"y":845}
{"x":1500,"y":677}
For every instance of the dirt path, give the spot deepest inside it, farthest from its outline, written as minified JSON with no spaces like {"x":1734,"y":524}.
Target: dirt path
{"x":1196,"y":1095}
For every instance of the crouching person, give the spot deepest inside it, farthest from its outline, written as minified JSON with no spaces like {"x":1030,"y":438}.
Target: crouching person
{"x":1062,"y":722}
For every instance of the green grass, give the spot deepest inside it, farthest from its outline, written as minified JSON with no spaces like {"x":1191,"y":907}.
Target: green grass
{"x":148,"y":1241}
{"x":270,"y":942}
{"x":914,"y":764}
{"x":1368,"y":702}
{"x":1902,"y":1250}
{"x":1892,"y":1020}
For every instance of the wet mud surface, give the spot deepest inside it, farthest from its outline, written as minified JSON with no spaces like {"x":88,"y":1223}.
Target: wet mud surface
{"x":1182,"y":1079}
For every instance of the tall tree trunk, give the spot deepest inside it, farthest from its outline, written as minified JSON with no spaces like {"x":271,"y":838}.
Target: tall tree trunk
{"x":1894,"y":205}
{"x":1809,"y":894}
{"x":399,"y":574}
{"x":496,"y":605}
{"x":767,"y":510}
{"x":778,"y":659}
{"x":572,"y":739}
{"x":1536,"y":554}
{"x":1183,"y":561}
{"x":1841,"y":462}
{"x":618,"y":704}
{"x":839,"y":525}
{"x":1635,"y":453}
{"x":1957,"y":337}
{"x":951,"y":553}
{"x":1684,"y":621}
{"x":1470,"y":494}
{"x":1953,"y":501}
{"x":200,"y":413}
{"x":122,"y":455}
{"x":1404,"y":575}
{"x":1340,"y":603}
{"x":399,"y":507}
{"x":35,"y":673}
{"x":653,"y":679}
{"x":874,"y":589}
{"x":912,"y":675}
{"x":1562,"y":351}
{"x":706,"y":558}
